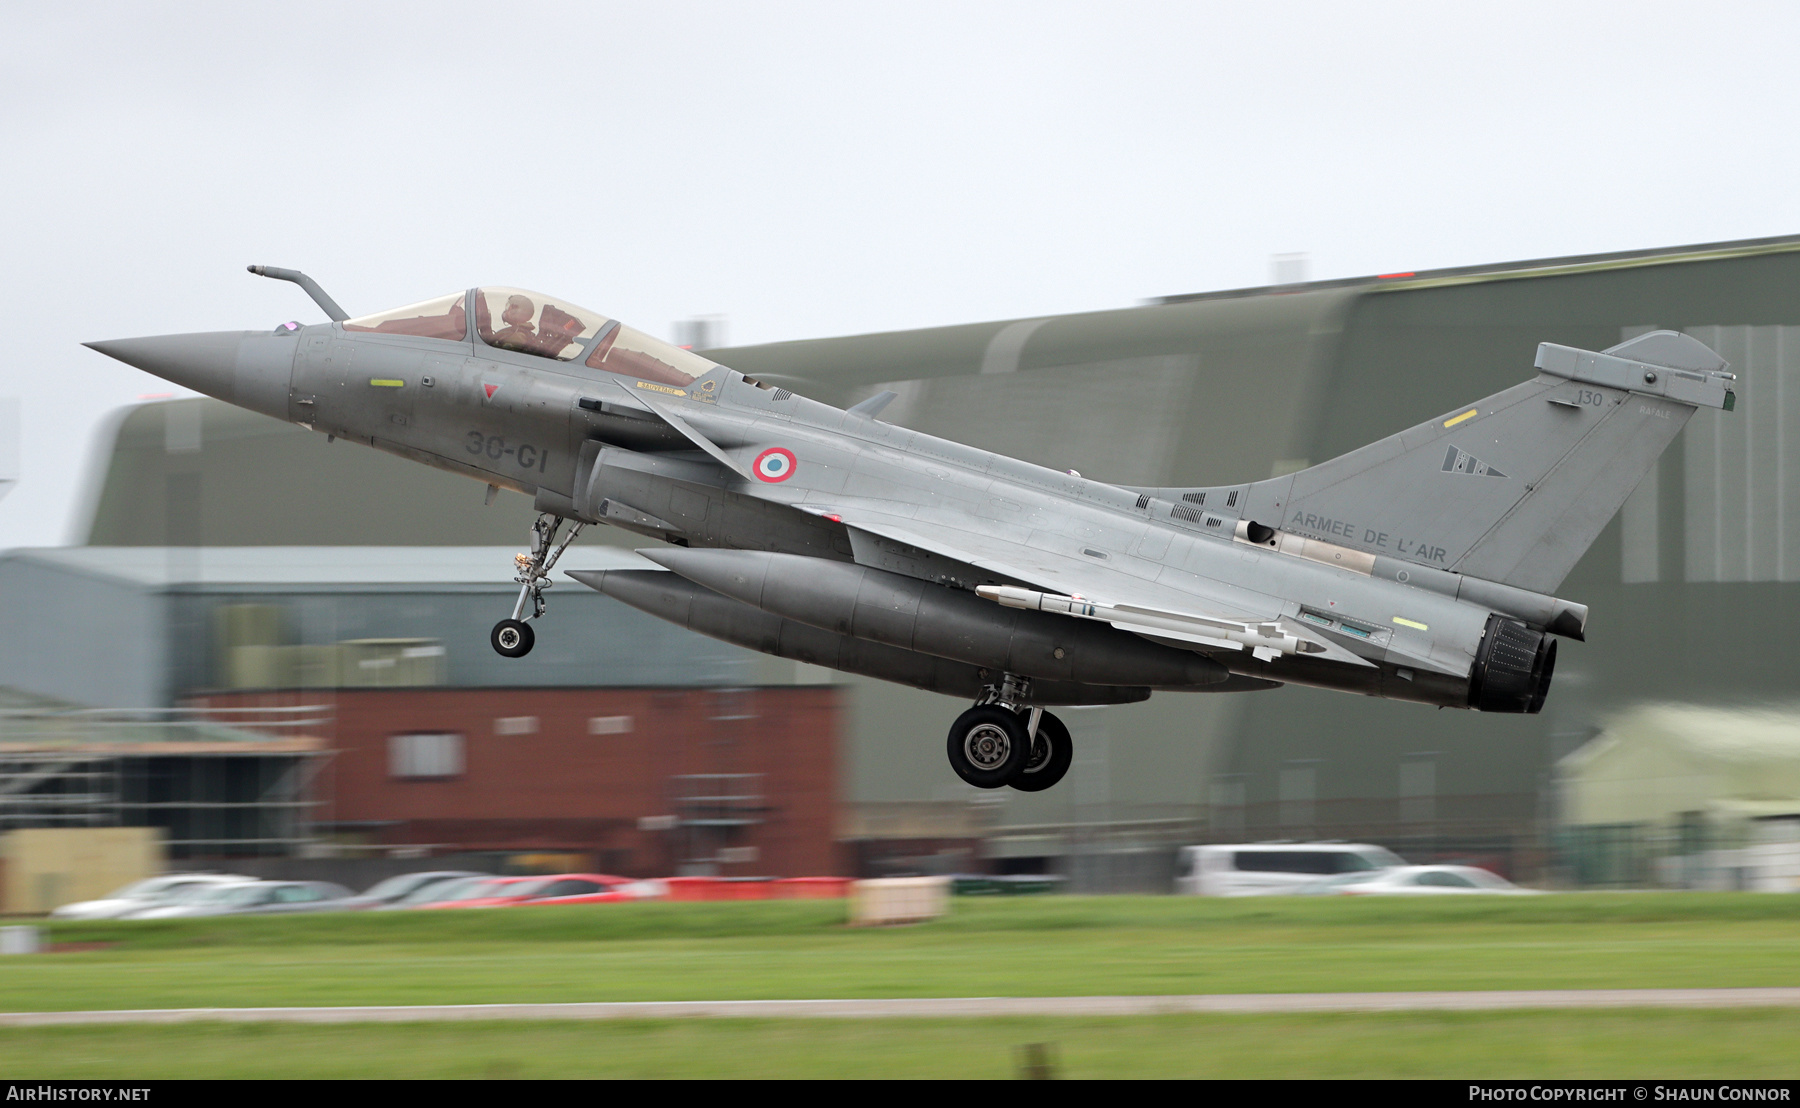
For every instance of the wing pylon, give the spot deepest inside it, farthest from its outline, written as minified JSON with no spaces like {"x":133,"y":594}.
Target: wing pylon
{"x":1266,"y":640}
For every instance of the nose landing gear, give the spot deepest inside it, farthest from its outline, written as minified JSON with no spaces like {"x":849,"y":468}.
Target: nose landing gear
{"x":1002,"y":742}
{"x":514,"y":638}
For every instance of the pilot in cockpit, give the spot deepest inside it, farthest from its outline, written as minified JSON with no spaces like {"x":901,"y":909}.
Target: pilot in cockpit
{"x":518,"y":334}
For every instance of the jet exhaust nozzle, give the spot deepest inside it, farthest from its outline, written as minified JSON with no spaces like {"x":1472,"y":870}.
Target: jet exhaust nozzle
{"x":1512,"y":668}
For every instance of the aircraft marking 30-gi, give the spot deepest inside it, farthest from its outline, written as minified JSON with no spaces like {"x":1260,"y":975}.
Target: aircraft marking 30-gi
{"x":1421,"y":567}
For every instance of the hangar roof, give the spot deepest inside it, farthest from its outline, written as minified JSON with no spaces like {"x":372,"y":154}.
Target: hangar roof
{"x":1533,"y":267}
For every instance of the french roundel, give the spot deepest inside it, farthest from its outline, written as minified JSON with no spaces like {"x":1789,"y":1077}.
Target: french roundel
{"x":775,"y":464}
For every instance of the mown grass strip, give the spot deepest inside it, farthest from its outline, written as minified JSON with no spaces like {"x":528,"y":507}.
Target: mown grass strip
{"x":1052,"y":946}
{"x":1740,"y":1045}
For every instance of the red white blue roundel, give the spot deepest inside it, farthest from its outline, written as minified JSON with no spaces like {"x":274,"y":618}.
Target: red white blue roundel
{"x":775,"y":464}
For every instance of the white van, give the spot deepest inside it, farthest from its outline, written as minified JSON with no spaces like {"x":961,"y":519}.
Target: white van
{"x":1256,"y":869}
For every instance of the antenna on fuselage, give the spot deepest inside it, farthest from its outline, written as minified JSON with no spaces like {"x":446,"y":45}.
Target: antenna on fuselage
{"x":332,"y":311}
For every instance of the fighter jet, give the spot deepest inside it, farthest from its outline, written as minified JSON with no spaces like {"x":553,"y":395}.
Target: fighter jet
{"x":1422,"y":567}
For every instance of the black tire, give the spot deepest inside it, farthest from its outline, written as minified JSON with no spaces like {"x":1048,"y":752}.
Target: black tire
{"x":512,"y":638}
{"x":1052,"y":753}
{"x":988,"y":746}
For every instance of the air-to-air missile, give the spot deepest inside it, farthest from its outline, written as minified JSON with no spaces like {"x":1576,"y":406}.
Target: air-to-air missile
{"x":1422,"y":567}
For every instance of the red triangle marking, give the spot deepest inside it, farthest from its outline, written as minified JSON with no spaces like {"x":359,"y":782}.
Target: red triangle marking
{"x":490,"y":389}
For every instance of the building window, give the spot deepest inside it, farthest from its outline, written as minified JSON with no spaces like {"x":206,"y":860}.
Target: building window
{"x":516,"y":725}
{"x":427,"y":755}
{"x":609,"y":725}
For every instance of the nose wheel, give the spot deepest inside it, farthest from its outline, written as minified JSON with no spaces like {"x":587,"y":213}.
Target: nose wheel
{"x":514,"y":638}
{"x":999,"y":742}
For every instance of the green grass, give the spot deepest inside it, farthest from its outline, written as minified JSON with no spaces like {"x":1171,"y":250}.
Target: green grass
{"x":1738,"y":1044}
{"x":998,"y":947}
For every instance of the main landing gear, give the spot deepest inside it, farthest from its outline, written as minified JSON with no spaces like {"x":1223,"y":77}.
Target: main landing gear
{"x":1001,"y":742}
{"x":513,"y":638}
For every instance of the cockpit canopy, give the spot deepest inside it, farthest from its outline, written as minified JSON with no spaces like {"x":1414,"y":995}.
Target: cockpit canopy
{"x":532,"y":323}
{"x":442,"y":318}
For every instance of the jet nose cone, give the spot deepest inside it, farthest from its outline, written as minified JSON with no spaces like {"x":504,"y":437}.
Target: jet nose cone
{"x":205,"y":362}
{"x":247,"y":368}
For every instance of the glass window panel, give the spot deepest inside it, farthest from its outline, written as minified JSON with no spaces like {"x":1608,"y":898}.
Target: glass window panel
{"x":631,"y":353}
{"x":1287,"y":861}
{"x":532,"y":323}
{"x":443,"y":318}
{"x":427,"y":755}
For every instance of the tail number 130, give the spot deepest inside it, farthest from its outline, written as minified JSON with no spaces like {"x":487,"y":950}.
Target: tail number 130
{"x":494,"y":448}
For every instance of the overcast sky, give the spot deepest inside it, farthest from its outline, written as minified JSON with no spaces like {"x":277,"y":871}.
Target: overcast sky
{"x":823,"y":169}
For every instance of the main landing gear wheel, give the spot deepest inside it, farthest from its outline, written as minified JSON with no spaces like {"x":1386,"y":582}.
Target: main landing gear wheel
{"x":513,"y":638}
{"x":1051,"y":756}
{"x":988,"y":746}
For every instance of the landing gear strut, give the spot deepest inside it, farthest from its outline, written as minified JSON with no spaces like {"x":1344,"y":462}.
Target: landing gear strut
{"x":1001,"y":741}
{"x":513,"y":638}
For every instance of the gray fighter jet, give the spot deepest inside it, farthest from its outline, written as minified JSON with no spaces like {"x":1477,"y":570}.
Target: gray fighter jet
{"x":1421,"y":567}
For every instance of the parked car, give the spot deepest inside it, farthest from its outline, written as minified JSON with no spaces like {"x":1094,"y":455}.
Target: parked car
{"x":435,"y":892}
{"x":505,"y":891}
{"x":188,"y":894}
{"x":594,"y":888}
{"x":1260,"y":869}
{"x":556,"y":888}
{"x":1416,"y":881}
{"x":148,"y":893}
{"x":394,"y":889}
{"x":470,"y":892}
{"x":252,"y":898}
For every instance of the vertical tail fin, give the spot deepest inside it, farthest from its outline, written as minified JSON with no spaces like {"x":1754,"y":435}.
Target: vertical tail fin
{"x":1515,"y":487}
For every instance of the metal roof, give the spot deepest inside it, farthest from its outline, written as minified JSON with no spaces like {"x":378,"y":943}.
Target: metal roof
{"x":1503,"y":271}
{"x":1742,"y":736}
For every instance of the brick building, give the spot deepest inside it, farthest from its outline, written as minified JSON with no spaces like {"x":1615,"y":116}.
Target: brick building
{"x":641,"y":782}
{"x":387,"y":730}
